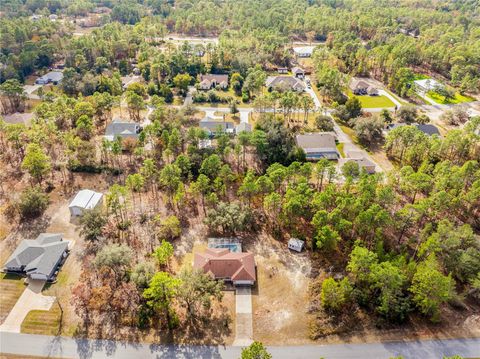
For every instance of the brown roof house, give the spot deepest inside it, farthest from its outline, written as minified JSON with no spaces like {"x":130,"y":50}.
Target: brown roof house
{"x":284,"y":83}
{"x":210,"y":81}
{"x":361,"y":87}
{"x":221,"y":263}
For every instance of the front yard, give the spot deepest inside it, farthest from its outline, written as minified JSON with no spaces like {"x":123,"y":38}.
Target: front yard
{"x":459,"y":98}
{"x":373,"y":101}
{"x":11,"y":288}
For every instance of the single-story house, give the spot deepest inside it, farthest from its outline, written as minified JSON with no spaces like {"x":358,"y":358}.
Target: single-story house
{"x":53,"y":77}
{"x":284,"y":83}
{"x":19,"y":117}
{"x":427,"y":129}
{"x":214,"y":127}
{"x":39,"y":258}
{"x":426,"y":85}
{"x":361,"y":87}
{"x":318,"y":145}
{"x":282,"y":70}
{"x":122,"y":129}
{"x":223,"y":264}
{"x":296,"y":244}
{"x":84,"y":200}
{"x":210,"y":81}
{"x":243,"y":127}
{"x":298,"y":72}
{"x":304,"y":51}
{"x":204,"y":144}
{"x":363,"y":163}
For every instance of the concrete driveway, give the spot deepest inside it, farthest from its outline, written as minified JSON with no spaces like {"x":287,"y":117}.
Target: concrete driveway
{"x":244,"y":317}
{"x":31,"y":299}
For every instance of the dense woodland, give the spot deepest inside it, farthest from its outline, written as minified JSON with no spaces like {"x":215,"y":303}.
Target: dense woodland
{"x":403,"y":242}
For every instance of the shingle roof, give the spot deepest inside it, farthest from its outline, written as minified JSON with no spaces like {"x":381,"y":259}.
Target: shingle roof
{"x":213,"y":77}
{"x":211,"y":124}
{"x":119,"y":128}
{"x":243,"y":126}
{"x":427,"y":129}
{"x":224,"y":264}
{"x":86,"y":199}
{"x":39,"y":256}
{"x":53,"y":76}
{"x":284,"y":83}
{"x":316,"y":141}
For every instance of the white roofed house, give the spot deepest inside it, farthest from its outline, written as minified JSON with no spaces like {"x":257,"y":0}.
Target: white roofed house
{"x":85,"y":200}
{"x":304,"y":51}
{"x":53,"y":77}
{"x":284,"y":83}
{"x":426,"y":85}
{"x":318,"y":145}
{"x":39,"y":258}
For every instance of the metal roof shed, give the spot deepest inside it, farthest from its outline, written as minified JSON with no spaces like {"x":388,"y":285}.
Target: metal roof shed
{"x":84,"y":200}
{"x":296,"y":244}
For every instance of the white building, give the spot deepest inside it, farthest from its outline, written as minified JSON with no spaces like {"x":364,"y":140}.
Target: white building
{"x":426,"y":85}
{"x":304,"y":51}
{"x":85,"y":200}
{"x":296,"y":244}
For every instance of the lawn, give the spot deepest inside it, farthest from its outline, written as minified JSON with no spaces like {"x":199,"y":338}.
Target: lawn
{"x":45,"y":322}
{"x":374,"y":101}
{"x":459,"y":98}
{"x":340,"y":146}
{"x":11,"y":287}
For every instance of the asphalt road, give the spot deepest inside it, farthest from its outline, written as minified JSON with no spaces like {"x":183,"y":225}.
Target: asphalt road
{"x":62,"y":347}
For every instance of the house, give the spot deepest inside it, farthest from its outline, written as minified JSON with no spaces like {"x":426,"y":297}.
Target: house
{"x":298,"y":72}
{"x":284,"y":83}
{"x":243,"y":127}
{"x":360,"y":159}
{"x":39,"y":258}
{"x":304,"y":51}
{"x":53,"y":77}
{"x":222,"y":264}
{"x":84,"y":200}
{"x":36,"y":17}
{"x":19,"y":117}
{"x":296,"y":244}
{"x":361,"y":87}
{"x":53,"y":17}
{"x":122,"y":129}
{"x":214,"y":127}
{"x":210,"y":81}
{"x":318,"y":145}
{"x":426,"y":85}
{"x":427,"y":129}
{"x":205,"y":144}
{"x":282,"y":70}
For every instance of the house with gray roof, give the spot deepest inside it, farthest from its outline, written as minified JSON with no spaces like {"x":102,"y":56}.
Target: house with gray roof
{"x":284,"y":83}
{"x":318,"y":145}
{"x":427,"y":129}
{"x":243,"y":127}
{"x":122,"y":129}
{"x":210,"y":81}
{"x":39,"y":258}
{"x":52,"y":77}
{"x":214,"y":127}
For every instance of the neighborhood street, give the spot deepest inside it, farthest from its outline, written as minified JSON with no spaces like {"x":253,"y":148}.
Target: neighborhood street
{"x":62,"y":347}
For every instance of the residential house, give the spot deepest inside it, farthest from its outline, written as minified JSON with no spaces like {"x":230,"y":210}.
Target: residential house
{"x":296,"y":244}
{"x":214,"y":127}
{"x":53,"y":17}
{"x":122,"y":129}
{"x":304,"y":51}
{"x":39,"y":258}
{"x":210,"y":81}
{"x":360,"y":87}
{"x":282,"y":70}
{"x":284,"y":83}
{"x":360,"y":159}
{"x":427,"y":129}
{"x":53,"y":77}
{"x":426,"y":85}
{"x":243,"y":127}
{"x":318,"y":145}
{"x":237,"y":268}
{"x":84,"y":200}
{"x":298,"y":72}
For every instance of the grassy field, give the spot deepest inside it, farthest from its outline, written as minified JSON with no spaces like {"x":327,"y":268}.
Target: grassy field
{"x":11,"y":287}
{"x":459,"y":98}
{"x":340,"y":146}
{"x":374,"y":101}
{"x":46,"y":322}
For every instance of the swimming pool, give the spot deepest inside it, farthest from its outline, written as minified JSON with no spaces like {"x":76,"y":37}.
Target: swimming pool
{"x":233,"y":245}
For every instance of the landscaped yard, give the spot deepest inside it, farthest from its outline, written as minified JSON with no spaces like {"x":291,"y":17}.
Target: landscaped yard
{"x":374,"y":101}
{"x":459,"y":98}
{"x":46,"y":322}
{"x":11,"y":287}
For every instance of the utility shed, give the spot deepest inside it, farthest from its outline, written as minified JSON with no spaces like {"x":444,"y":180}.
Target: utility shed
{"x":296,"y":244}
{"x":84,"y":200}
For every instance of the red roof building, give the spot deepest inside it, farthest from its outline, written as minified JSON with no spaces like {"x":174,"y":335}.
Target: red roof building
{"x":221,"y":263}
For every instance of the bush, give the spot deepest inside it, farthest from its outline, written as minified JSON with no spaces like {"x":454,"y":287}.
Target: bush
{"x":33,"y":202}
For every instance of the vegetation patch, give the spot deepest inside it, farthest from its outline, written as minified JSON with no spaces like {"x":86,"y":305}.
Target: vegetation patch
{"x":11,"y":288}
{"x":44,"y":322}
{"x":457,"y":98}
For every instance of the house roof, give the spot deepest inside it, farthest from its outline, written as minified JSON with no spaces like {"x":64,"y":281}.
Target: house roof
{"x":224,"y":264}
{"x":428,"y":84}
{"x":38,"y":256}
{"x":358,"y":84}
{"x":296,"y":242}
{"x":121,"y":129}
{"x":211,"y":124}
{"x":298,"y":70}
{"x":214,"y":77}
{"x":317,"y":142}
{"x":284,"y":83}
{"x":427,"y":129}
{"x":53,"y":76}
{"x":304,"y":50}
{"x":362,"y":162}
{"x":86,"y":199}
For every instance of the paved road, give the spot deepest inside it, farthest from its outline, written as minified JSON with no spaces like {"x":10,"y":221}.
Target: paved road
{"x":56,"y":347}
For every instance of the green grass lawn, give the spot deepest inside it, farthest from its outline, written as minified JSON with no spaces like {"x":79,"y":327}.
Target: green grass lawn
{"x":373,"y":101}
{"x":340,"y":146}
{"x":11,"y":287}
{"x":459,"y":98}
{"x":45,"y":322}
